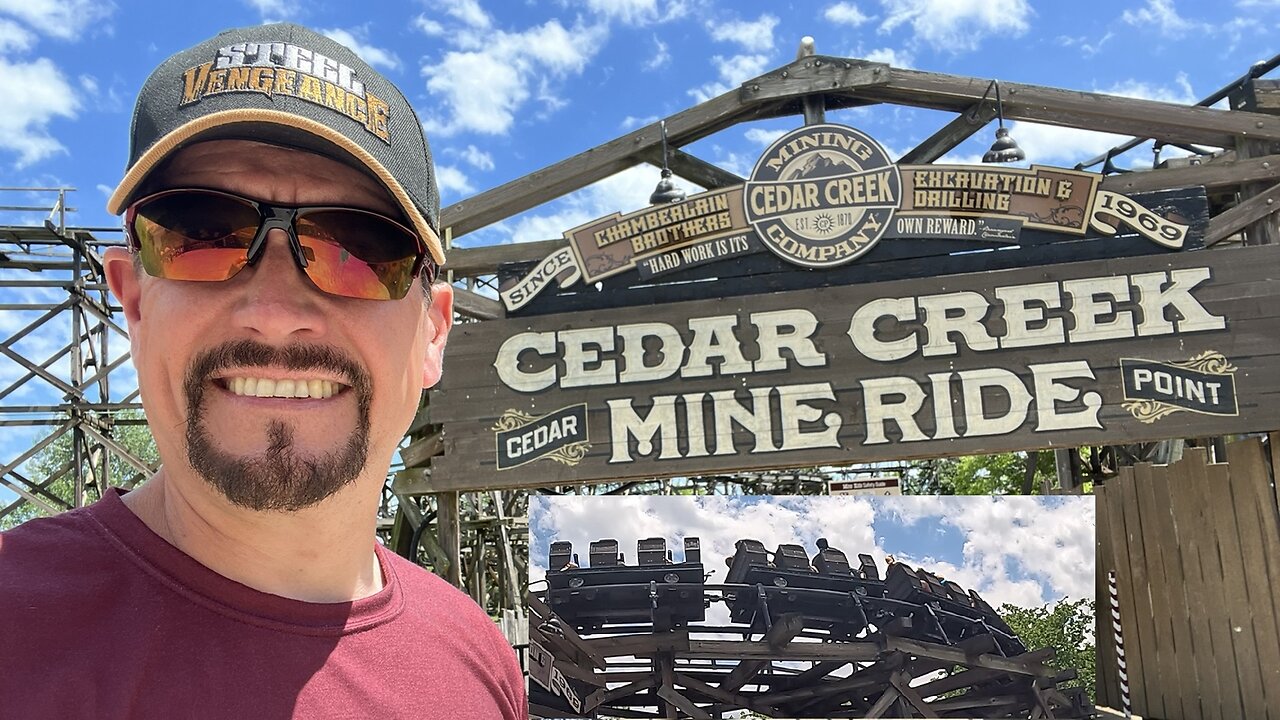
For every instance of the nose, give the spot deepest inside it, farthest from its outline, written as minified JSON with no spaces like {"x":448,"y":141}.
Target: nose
{"x":277,"y":302}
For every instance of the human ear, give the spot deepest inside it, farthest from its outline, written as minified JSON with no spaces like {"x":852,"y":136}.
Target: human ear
{"x":438,"y":322}
{"x":122,"y":278}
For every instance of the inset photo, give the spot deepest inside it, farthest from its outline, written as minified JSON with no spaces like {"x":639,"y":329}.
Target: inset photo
{"x":811,"y":607}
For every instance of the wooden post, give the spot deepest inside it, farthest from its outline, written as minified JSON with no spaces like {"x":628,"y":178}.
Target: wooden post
{"x":1261,"y":96}
{"x":450,"y":535}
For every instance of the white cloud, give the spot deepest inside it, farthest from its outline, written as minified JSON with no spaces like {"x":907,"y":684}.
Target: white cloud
{"x":889,"y":56}
{"x":632,"y":122}
{"x":661,"y":56}
{"x":477,"y":158}
{"x":484,"y":83}
{"x":1025,"y":551}
{"x":453,"y":181}
{"x":1162,"y":15}
{"x":753,"y":35}
{"x":1049,"y":539}
{"x":354,"y":40}
{"x":957,"y":24}
{"x":845,"y":13}
{"x":732,"y":71}
{"x":428,"y":26}
{"x":467,"y":12}
{"x":274,"y":9}
{"x":62,"y":19}
{"x":1087,"y":44}
{"x":14,"y":37}
{"x":36,"y":93}
{"x":763,"y":137}
{"x":639,"y":12}
{"x":622,"y":192}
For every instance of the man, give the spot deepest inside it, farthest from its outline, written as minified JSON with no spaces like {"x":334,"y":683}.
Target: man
{"x":282,"y":217}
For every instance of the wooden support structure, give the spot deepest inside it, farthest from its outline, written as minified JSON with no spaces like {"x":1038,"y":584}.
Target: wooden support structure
{"x":634,"y":671}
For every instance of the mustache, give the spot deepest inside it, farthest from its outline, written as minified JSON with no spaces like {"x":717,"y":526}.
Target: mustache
{"x":250,"y":353}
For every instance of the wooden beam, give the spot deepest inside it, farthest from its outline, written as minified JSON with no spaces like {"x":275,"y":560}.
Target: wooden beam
{"x":484,"y":260}
{"x":448,"y":518}
{"x":724,"y":696}
{"x":963,"y":127}
{"x":1237,"y":218}
{"x":641,"y":645}
{"x":593,"y":164}
{"x":1264,"y":230}
{"x":1170,"y":122}
{"x":1021,"y":665}
{"x":571,"y":669}
{"x":882,"y":705}
{"x":418,"y":452}
{"x":599,"y":697}
{"x":410,"y":482}
{"x":692,"y":168}
{"x":775,"y":643}
{"x":955,"y":682}
{"x":1211,"y":174}
{"x":673,"y":696}
{"x":873,"y":675}
{"x":666,"y":678}
{"x":732,"y":649}
{"x":819,"y":671}
{"x":815,"y":74}
{"x":475,"y":305}
{"x":902,"y":683}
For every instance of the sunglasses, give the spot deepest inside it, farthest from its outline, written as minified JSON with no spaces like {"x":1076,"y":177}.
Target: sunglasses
{"x":211,"y":235}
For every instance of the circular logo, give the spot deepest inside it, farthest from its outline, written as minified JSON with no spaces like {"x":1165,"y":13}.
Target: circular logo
{"x":822,"y":195}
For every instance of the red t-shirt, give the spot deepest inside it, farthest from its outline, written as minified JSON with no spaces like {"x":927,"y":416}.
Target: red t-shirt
{"x":101,"y":618}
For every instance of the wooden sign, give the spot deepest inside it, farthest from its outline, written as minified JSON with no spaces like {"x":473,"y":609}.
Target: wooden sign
{"x":1099,"y":352}
{"x":890,"y":485}
{"x":823,"y":196}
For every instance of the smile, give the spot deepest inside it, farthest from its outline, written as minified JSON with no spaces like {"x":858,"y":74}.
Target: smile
{"x":285,"y":388}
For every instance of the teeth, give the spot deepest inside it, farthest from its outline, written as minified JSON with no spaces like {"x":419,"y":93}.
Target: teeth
{"x":287,"y":388}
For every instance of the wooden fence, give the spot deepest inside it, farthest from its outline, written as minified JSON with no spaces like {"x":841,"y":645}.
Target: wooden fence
{"x":1196,"y":549}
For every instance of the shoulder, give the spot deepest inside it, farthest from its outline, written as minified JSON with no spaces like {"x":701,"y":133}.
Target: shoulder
{"x":420,"y":584}
{"x":52,"y":568}
{"x":431,"y":598}
{"x":48,"y":547}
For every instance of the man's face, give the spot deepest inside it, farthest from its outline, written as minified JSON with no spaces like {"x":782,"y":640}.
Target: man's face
{"x":207,"y":352}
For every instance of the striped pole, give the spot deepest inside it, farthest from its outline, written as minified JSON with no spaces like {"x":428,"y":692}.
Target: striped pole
{"x":1119,"y":640}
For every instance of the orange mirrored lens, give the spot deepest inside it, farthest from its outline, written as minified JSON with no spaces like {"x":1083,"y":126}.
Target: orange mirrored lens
{"x":194,"y":236}
{"x":357,"y":254}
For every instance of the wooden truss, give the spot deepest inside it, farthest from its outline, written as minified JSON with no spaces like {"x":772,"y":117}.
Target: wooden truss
{"x":786,"y":672}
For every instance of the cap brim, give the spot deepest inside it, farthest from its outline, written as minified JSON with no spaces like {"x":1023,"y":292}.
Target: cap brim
{"x":291,"y":130}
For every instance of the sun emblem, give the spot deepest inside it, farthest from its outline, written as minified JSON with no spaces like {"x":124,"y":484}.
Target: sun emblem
{"x":824,"y":224}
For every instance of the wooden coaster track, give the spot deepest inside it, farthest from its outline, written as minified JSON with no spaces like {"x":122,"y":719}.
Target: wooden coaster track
{"x":806,"y":638}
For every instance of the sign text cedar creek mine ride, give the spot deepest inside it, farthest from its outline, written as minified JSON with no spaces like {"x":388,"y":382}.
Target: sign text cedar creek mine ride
{"x":1177,"y":344}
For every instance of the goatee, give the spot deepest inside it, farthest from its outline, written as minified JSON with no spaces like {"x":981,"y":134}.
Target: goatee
{"x":280,"y":478}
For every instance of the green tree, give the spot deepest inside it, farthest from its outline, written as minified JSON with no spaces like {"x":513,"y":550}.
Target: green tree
{"x":999,"y":474}
{"x":1067,"y":627}
{"x":57,"y":459}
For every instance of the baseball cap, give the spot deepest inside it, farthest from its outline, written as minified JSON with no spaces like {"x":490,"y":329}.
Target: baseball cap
{"x":287,"y":85}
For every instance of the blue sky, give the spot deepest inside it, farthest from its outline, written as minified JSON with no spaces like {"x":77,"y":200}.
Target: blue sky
{"x":508,"y":88}
{"x":1021,"y":550}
